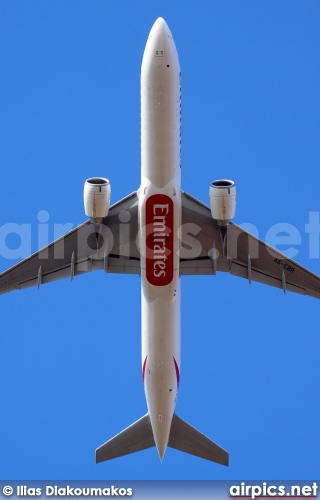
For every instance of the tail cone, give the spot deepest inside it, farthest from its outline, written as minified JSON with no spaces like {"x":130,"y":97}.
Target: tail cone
{"x":161,"y":447}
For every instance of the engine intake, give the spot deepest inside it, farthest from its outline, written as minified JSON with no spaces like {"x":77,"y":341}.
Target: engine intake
{"x":96,"y":197}
{"x":222,"y":201}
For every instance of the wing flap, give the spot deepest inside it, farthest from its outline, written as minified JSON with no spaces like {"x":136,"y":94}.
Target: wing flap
{"x":266,"y":265}
{"x":196,"y":267}
{"x":242,"y":272}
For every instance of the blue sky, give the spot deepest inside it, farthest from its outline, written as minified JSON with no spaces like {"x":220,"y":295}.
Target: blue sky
{"x":70,"y":354}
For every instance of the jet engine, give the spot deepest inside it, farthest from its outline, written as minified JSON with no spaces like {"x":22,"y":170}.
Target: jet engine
{"x":96,"y":197}
{"x":222,"y":201}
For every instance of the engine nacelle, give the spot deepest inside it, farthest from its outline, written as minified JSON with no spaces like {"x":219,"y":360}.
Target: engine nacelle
{"x":222,"y":201}
{"x":96,"y":197}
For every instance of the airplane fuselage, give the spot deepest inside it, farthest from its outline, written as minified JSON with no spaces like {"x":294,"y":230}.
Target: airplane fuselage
{"x":159,"y":222}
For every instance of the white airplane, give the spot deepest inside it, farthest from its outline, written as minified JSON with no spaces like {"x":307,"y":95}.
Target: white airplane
{"x":161,"y":233}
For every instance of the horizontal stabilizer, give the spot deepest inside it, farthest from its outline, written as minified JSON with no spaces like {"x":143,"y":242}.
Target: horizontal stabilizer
{"x":184,"y":437}
{"x":136,"y":437}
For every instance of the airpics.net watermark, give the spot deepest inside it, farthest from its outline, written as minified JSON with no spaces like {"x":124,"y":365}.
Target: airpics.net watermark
{"x":17,"y":239}
{"x":266,"y":490}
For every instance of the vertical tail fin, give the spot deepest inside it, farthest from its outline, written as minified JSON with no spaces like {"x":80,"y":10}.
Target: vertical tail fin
{"x":186,"y":438}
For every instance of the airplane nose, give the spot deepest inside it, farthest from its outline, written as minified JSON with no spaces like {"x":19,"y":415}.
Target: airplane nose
{"x":160,"y":49}
{"x":160,"y":25}
{"x":157,"y":38}
{"x":160,"y":30}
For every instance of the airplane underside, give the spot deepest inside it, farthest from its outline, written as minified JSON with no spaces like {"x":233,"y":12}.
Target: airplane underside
{"x":171,"y":234}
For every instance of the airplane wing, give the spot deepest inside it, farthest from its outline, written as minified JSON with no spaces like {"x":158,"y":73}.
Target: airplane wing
{"x":205,"y":251}
{"x":110,"y":246}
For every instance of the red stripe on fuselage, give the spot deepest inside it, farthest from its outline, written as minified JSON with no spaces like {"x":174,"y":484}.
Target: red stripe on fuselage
{"x":177,"y":370}
{"x":159,"y":239}
{"x":144,"y":368}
